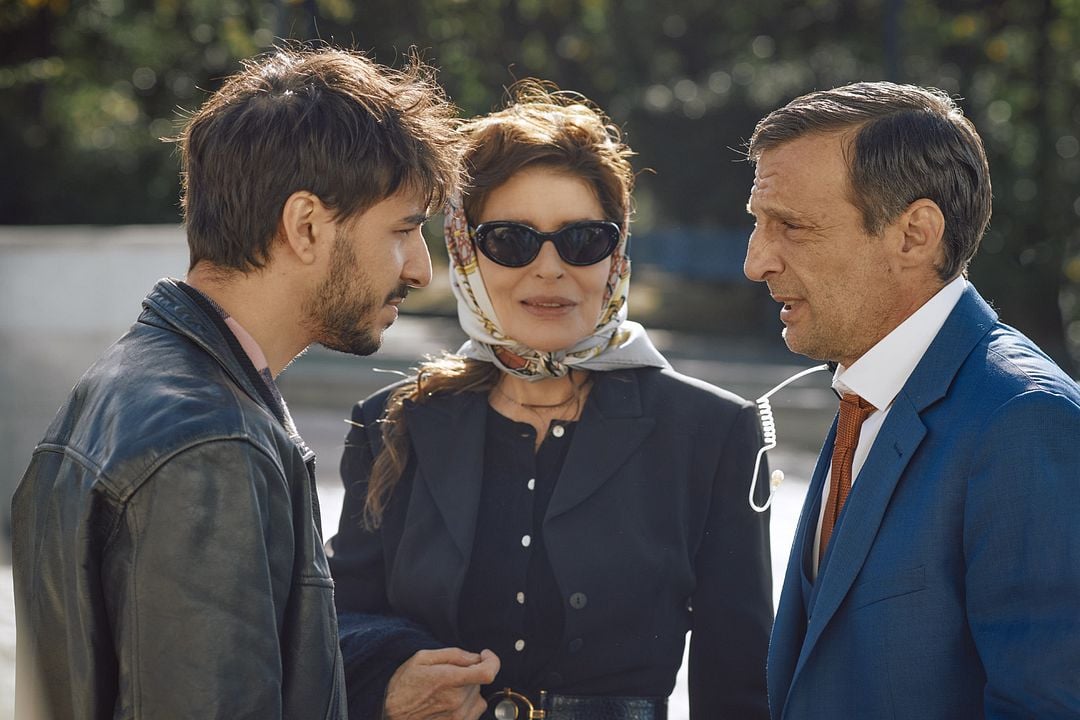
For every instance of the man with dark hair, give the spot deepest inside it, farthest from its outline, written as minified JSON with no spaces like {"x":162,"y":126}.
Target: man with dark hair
{"x":934,"y":572}
{"x":167,"y":553}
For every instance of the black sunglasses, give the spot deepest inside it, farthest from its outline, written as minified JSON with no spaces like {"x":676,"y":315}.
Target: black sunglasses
{"x":513,"y":244}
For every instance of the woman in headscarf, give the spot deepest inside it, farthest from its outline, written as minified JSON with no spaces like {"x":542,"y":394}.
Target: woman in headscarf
{"x":534,"y":523}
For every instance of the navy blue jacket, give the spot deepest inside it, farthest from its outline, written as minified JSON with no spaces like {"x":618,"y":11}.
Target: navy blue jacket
{"x":951,"y":587}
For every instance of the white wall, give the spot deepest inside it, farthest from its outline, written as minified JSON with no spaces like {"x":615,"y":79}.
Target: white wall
{"x":66,"y":293}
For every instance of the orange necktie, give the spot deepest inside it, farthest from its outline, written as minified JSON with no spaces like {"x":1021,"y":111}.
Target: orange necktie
{"x":853,"y":412}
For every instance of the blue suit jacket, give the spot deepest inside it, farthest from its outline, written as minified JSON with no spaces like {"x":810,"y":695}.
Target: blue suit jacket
{"x":951,"y":588}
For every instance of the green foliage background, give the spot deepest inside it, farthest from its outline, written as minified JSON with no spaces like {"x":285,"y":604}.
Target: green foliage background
{"x":88,"y":88}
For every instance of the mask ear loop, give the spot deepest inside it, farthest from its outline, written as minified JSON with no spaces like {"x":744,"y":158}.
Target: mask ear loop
{"x":768,"y":432}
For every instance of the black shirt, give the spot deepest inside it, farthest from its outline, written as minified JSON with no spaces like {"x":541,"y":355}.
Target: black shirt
{"x":510,"y":602}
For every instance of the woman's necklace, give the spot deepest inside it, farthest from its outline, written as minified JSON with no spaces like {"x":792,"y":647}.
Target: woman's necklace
{"x":545,"y":412}
{"x":576,"y":391}
{"x":542,"y":406}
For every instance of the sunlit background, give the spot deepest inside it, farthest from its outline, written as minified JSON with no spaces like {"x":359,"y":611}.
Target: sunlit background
{"x":89,"y":88}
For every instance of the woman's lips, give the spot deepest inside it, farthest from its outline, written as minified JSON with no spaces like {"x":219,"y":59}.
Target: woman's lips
{"x":548,"y":307}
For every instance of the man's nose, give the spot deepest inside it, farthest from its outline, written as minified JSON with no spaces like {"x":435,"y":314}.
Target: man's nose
{"x":416,"y":272}
{"x":762,"y":259}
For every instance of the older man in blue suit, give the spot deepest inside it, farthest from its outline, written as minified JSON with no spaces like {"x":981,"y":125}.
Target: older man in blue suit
{"x":935,"y":572}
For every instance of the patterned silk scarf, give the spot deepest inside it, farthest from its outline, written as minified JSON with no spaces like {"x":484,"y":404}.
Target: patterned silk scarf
{"x":615,"y":343}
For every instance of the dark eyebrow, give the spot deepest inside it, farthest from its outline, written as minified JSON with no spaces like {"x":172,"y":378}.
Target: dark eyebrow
{"x":417,"y":219}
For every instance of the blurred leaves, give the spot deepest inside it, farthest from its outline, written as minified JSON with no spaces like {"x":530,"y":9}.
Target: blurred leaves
{"x":88,"y":87}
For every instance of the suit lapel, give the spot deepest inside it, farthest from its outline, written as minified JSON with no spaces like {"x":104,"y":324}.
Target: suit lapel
{"x":862,"y":515}
{"x":448,"y":439}
{"x":612,"y":427}
{"x":789,"y":629}
{"x":812,"y":512}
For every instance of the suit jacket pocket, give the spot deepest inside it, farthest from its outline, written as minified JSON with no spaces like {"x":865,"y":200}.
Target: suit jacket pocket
{"x":884,"y":586}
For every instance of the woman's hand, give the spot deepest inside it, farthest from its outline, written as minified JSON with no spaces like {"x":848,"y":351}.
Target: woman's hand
{"x":440,"y":685}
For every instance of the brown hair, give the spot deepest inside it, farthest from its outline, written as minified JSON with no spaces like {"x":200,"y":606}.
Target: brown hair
{"x":325,"y":120}
{"x":540,"y":125}
{"x":909,"y":143}
{"x":558,"y":129}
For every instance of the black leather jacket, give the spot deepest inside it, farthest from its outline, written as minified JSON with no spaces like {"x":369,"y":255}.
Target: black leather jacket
{"x":167,"y":552}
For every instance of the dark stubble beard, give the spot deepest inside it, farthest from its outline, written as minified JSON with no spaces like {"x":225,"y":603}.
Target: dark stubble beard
{"x":344,"y":307}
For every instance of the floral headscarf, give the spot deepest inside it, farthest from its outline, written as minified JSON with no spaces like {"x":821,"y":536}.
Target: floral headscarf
{"x":615,"y":342}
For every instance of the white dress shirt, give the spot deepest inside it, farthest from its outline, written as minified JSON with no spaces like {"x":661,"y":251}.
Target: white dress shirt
{"x":880,"y":374}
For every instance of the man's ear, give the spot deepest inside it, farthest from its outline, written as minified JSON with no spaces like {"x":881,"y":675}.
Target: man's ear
{"x":921,"y":232}
{"x":307,"y":226}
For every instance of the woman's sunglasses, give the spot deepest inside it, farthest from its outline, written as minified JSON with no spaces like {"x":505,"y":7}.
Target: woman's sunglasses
{"x":513,"y":244}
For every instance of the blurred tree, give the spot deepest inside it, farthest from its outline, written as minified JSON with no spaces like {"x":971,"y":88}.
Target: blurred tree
{"x":89,"y":86}
{"x":1017,"y":62}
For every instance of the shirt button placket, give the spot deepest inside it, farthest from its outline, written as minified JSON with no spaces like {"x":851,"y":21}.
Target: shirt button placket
{"x":526,"y":541}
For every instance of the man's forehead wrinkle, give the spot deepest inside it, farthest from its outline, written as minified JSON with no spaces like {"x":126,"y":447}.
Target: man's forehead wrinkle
{"x":807,"y":218}
{"x":784,"y":191}
{"x":763,"y":175}
{"x":763,"y":199}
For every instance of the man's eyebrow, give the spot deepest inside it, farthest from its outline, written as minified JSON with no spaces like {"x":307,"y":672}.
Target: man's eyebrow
{"x":417,"y":219}
{"x":780,"y":213}
{"x":791,"y":216}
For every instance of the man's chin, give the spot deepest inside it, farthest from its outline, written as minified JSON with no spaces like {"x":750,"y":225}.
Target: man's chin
{"x":361,"y":345}
{"x":789,"y":340}
{"x":796,"y":345}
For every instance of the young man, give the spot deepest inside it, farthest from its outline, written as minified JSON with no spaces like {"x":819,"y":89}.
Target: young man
{"x":934,"y":570}
{"x":167,"y":553}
